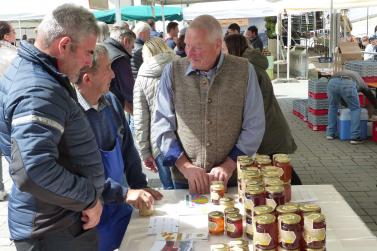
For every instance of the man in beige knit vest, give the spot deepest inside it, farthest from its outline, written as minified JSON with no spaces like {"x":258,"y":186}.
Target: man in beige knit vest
{"x":209,"y":110}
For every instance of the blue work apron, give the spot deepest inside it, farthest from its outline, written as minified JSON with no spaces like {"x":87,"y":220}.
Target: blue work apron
{"x":115,"y":216}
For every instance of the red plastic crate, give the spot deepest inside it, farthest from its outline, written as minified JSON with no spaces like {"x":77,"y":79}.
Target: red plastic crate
{"x":370,"y":79}
{"x":318,"y":112}
{"x":363,"y":100}
{"x":296,"y":113}
{"x":317,"y":127}
{"x":374,"y":131}
{"x":318,"y":95}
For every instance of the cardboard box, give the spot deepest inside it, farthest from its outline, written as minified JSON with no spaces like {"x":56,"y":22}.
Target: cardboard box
{"x":349,"y":51}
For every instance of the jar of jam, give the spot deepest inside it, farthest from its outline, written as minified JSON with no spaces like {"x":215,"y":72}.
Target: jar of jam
{"x":285,"y":164}
{"x":234,"y":227}
{"x":249,"y":227}
{"x":265,"y":232}
{"x":289,"y":231}
{"x":243,"y":162}
{"x":219,"y":247}
{"x":226,"y":202}
{"x":273,"y":168}
{"x":231,"y":210}
{"x":278,"y":155}
{"x":287,"y":191}
{"x":254,"y":196}
{"x":275,"y":196}
{"x":217,"y":191}
{"x":250,"y":175}
{"x":287,"y":209}
{"x":216,"y":223}
{"x":314,"y":231}
{"x":308,"y":208}
{"x":238,"y":245}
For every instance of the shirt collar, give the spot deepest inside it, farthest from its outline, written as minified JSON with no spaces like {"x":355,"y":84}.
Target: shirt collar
{"x":87,"y":106}
{"x":209,"y":74}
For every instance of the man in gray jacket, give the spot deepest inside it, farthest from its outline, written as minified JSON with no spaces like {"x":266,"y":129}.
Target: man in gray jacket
{"x":54,"y":160}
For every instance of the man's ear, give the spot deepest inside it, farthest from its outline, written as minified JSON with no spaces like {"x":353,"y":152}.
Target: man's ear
{"x":63,"y":44}
{"x":86,"y":78}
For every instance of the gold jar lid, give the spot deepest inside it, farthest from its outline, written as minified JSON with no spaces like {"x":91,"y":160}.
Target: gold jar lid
{"x":263,"y":161}
{"x":289,"y":219}
{"x":272,"y":173}
{"x":314,"y":217}
{"x":287,"y":208}
{"x":253,"y":183}
{"x":217,"y":187}
{"x":234,"y":217}
{"x":245,"y":158}
{"x":263,"y":209}
{"x":275,"y":189}
{"x":315,"y":249}
{"x":279,"y":155}
{"x":254,"y":190}
{"x":251,"y":176}
{"x":231,"y":210}
{"x":216,"y":214}
{"x":238,"y":243}
{"x":219,"y":247}
{"x":267,"y":168}
{"x":284,"y":249}
{"x":310,"y":207}
{"x":283,"y":160}
{"x":274,"y":182}
{"x":226,"y":201}
{"x":265,"y":219}
{"x":262,"y":156}
{"x":217,"y":182}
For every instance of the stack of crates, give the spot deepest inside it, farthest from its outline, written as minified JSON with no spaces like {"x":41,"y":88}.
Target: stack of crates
{"x":366,"y":69}
{"x":300,"y":108}
{"x":318,"y":104}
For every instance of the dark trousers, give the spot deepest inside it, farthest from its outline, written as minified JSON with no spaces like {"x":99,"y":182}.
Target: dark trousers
{"x":72,"y":238}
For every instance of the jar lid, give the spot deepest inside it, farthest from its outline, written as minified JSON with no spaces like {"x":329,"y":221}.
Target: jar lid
{"x":263,"y":161}
{"x":314,"y":217}
{"x":274,"y":182}
{"x":263,"y":209}
{"x":289,"y":218}
{"x":262,"y":156}
{"x":244,"y":158}
{"x":254,"y":190}
{"x":284,"y":249}
{"x":234,"y":217}
{"x":251,"y":176}
{"x":315,"y":249}
{"x":279,"y":155}
{"x":219,"y":247}
{"x":226,"y":200}
{"x":231,"y":210}
{"x":275,"y":189}
{"x":265,"y":219}
{"x":272,"y":173}
{"x":253,"y":183}
{"x":287,"y":208}
{"x":216,"y":214}
{"x":282,"y":160}
{"x":217,"y":187}
{"x":217,"y":182}
{"x":238,"y":243}
{"x":310,"y":207}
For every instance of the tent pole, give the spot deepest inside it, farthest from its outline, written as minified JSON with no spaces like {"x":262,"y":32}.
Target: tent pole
{"x":367,"y":21}
{"x":331,"y":31}
{"x":19,"y":27}
{"x":163,"y":19}
{"x":289,"y":43}
{"x":118,"y":16}
{"x":277,"y":29}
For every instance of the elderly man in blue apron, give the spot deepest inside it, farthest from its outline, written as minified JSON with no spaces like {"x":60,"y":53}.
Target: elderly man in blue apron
{"x":126,"y":184}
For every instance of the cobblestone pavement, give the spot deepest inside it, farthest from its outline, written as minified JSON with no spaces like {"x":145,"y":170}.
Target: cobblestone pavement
{"x":352,"y":169}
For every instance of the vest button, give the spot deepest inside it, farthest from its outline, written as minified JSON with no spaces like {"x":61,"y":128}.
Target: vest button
{"x":209,"y":122}
{"x":208,"y":144}
{"x":203,"y":82}
{"x":209,"y":101}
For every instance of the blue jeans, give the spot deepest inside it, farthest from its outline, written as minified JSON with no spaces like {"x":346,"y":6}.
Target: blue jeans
{"x":345,"y":89}
{"x":164,"y":173}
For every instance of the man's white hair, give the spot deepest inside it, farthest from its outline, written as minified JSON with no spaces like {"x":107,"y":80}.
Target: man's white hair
{"x":119,"y":31}
{"x":141,"y":27}
{"x":67,"y":20}
{"x":209,"y":24}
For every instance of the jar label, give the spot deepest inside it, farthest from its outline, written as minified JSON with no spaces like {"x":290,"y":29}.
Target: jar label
{"x":249,"y":204}
{"x":263,"y":239}
{"x":215,"y":196}
{"x":249,"y":229}
{"x":230,"y":227}
{"x":315,"y":235}
{"x":271,"y":203}
{"x":212,"y":225}
{"x":288,"y":237}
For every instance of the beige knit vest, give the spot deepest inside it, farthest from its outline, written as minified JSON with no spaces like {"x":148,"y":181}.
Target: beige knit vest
{"x":209,"y":113}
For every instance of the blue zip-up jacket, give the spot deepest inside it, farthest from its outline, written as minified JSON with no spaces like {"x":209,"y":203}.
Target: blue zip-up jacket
{"x":55,"y":164}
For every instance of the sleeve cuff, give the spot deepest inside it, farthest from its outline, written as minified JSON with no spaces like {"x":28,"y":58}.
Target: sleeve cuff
{"x":235,"y":153}
{"x":173,"y":154}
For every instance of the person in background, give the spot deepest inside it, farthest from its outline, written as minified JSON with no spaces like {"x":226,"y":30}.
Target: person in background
{"x":55,"y":165}
{"x":209,"y":110}
{"x":142,"y":31}
{"x":368,"y":48}
{"x":125,"y":184}
{"x":156,"y":54}
{"x":344,"y":86}
{"x":277,"y":137}
{"x":180,"y":48}
{"x":7,"y":53}
{"x":172,"y":34}
{"x":252,"y":35}
{"x":104,"y":31}
{"x":233,"y":29}
{"x":154,"y":33}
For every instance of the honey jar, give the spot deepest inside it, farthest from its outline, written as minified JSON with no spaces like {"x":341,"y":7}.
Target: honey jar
{"x":254,"y":196}
{"x":234,"y":227}
{"x":145,"y":211}
{"x":217,"y":191}
{"x":278,"y":155}
{"x":231,"y":210}
{"x":308,"y":208}
{"x":266,"y":169}
{"x":219,"y":247}
{"x":275,"y":196}
{"x":314,"y":231}
{"x":285,"y":164}
{"x":265,"y":232}
{"x":289,"y":231}
{"x":287,"y":209}
{"x":243,"y":162}
{"x":226,"y":202}
{"x":216,"y":223}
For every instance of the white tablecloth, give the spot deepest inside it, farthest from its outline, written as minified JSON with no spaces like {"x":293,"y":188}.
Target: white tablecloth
{"x":345,"y":230}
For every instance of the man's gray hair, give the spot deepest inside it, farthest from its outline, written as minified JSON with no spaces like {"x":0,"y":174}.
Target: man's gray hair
{"x":141,"y":27}
{"x":209,"y":24}
{"x":68,"y":20}
{"x":104,"y":32}
{"x":119,"y":32}
{"x":99,"y":51}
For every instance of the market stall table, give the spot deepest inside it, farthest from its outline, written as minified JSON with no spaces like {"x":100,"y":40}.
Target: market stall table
{"x":345,"y":230}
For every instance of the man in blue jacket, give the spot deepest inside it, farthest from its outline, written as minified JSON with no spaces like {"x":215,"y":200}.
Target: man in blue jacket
{"x":54,"y":159}
{"x":119,"y":155}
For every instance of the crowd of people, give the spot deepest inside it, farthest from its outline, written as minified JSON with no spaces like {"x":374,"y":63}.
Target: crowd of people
{"x":85,"y":107}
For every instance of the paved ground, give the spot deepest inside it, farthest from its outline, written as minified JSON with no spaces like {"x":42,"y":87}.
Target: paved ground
{"x":352,"y":169}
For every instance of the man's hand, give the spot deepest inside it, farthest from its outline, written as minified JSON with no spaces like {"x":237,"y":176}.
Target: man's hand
{"x":91,"y":216}
{"x":136,"y":198}
{"x":150,"y":164}
{"x":223,"y":172}
{"x":197,"y":177}
{"x":156,"y":194}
